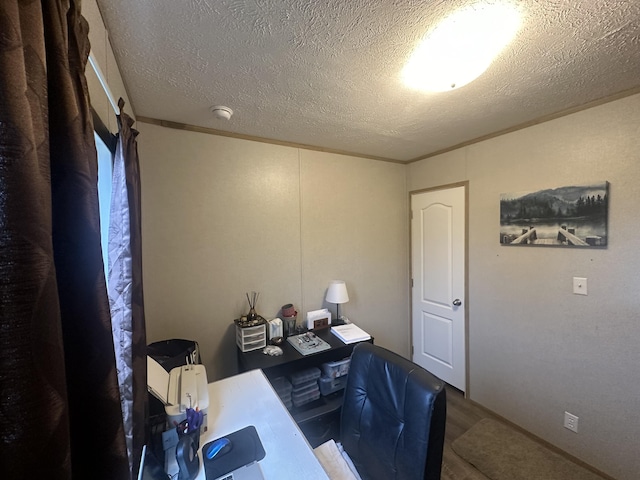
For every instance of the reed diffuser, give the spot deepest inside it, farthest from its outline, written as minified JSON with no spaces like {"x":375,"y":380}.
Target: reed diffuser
{"x":252,"y":315}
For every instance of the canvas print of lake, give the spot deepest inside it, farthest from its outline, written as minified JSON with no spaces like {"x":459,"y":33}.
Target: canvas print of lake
{"x":574,"y":216}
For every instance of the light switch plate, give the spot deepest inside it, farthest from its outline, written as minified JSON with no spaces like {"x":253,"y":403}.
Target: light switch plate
{"x":579,"y":285}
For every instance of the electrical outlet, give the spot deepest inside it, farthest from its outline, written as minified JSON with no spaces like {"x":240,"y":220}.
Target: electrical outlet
{"x":571,"y":422}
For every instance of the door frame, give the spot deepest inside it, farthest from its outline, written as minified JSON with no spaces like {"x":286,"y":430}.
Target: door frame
{"x":447,"y":186}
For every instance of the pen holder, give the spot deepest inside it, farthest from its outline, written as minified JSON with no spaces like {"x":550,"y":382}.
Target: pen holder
{"x":187,"y":455}
{"x":289,"y":325}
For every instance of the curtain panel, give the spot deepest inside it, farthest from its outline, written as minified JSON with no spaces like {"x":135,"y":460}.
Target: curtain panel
{"x":60,"y":414}
{"x":125,"y":287}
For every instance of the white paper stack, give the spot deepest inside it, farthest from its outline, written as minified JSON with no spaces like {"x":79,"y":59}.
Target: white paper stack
{"x":350,"y":333}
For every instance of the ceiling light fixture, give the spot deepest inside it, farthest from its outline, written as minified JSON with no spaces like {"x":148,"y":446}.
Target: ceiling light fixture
{"x":461,"y":47}
{"x":221,"y":112}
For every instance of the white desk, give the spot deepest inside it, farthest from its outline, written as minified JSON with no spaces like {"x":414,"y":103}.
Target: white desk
{"x":249,"y":399}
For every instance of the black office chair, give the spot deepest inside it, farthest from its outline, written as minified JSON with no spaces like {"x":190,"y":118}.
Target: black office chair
{"x":393,"y":417}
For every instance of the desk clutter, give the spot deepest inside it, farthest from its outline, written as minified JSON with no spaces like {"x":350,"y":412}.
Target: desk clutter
{"x":253,"y":331}
{"x":306,"y":386}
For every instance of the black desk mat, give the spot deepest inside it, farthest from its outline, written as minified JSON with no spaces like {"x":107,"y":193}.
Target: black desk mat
{"x":246,"y":448}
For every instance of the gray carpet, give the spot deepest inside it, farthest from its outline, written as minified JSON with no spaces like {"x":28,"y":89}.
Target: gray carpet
{"x":502,"y":453}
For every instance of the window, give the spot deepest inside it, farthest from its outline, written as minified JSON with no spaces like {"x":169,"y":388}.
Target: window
{"x":105,"y":169}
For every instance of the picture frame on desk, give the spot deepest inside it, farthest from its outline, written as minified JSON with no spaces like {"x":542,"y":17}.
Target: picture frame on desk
{"x":318,"y":319}
{"x":321,"y":323}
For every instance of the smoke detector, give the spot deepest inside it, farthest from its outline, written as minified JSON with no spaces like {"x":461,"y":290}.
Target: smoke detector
{"x":221,"y":112}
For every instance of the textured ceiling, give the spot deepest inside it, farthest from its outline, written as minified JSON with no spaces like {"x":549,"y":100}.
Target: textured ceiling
{"x":327,"y":73}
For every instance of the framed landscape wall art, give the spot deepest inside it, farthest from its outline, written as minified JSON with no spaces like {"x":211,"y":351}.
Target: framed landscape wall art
{"x":572,"y":216}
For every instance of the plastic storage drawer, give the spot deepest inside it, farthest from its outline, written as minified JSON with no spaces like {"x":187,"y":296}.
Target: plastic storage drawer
{"x":305,"y":396}
{"x":304,"y":389}
{"x":336,"y":369}
{"x":330,"y":385}
{"x":283,"y":388}
{"x":304,"y":376}
{"x":251,"y":338}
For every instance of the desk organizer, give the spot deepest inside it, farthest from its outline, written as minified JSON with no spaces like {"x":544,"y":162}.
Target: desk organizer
{"x":305,"y":386}
{"x":251,"y":338}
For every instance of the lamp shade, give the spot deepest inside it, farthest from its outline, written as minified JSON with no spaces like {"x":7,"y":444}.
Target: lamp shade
{"x":337,"y":292}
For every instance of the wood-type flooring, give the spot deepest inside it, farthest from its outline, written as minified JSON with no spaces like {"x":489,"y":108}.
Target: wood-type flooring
{"x":463,"y":414}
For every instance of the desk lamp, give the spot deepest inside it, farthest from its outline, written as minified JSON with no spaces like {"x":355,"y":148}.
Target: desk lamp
{"x":337,"y":293}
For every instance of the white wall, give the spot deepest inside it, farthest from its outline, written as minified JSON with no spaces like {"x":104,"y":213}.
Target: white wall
{"x":222,"y":216}
{"x":536,"y":349}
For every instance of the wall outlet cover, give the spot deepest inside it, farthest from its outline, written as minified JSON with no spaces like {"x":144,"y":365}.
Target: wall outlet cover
{"x":579,"y":285}
{"x":571,"y":422}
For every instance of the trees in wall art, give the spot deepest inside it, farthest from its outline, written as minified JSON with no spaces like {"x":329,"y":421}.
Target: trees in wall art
{"x":574,"y":216}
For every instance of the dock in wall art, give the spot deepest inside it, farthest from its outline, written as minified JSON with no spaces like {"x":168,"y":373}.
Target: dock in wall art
{"x":573,"y":216}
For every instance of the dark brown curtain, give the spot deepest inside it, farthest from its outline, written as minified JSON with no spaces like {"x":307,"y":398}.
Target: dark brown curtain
{"x":60,"y":413}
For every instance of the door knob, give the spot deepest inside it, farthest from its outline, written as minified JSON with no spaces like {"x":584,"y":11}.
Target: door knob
{"x":457,"y":302}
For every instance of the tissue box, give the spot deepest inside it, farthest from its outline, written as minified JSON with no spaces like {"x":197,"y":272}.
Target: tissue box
{"x":275,"y":328}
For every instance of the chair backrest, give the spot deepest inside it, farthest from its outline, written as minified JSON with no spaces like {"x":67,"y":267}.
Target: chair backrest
{"x":393,"y":417}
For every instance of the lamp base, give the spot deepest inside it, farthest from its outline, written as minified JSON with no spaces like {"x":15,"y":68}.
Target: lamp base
{"x":338,"y":320}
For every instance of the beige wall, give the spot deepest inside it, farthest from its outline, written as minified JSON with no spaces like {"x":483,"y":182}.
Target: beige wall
{"x":536,"y":349}
{"x":223,"y":216}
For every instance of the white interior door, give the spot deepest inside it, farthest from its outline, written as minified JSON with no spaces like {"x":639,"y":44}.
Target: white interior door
{"x":438,"y":293}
